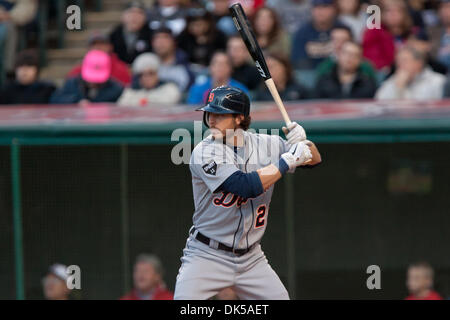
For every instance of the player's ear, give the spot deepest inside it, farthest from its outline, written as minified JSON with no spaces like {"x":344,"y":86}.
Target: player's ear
{"x":238,"y":119}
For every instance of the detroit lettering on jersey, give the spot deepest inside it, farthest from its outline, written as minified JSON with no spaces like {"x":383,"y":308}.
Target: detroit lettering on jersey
{"x":222,"y":216}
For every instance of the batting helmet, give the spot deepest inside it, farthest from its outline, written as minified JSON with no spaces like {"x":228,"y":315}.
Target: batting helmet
{"x":225,"y":100}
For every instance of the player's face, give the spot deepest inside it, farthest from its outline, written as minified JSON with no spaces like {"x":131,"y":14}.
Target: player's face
{"x":222,"y":125}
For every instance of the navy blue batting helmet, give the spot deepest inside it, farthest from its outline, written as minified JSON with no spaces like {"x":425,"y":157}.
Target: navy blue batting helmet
{"x":227,"y":99}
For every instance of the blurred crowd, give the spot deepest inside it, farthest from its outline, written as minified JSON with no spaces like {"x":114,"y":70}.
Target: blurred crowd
{"x":148,"y":282}
{"x":175,"y":51}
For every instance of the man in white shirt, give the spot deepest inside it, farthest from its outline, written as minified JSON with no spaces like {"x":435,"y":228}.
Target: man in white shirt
{"x":413,"y":79}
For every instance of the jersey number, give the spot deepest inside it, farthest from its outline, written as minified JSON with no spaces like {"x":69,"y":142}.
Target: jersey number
{"x":260,"y":215}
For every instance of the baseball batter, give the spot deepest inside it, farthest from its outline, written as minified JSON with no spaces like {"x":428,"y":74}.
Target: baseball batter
{"x":233,"y":176}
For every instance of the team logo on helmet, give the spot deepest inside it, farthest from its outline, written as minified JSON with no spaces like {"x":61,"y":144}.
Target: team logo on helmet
{"x":211,"y":97}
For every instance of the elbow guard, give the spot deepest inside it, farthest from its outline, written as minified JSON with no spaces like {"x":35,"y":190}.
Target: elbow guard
{"x":245,"y":185}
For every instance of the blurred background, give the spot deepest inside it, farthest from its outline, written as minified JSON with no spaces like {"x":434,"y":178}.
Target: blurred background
{"x":87,"y":114}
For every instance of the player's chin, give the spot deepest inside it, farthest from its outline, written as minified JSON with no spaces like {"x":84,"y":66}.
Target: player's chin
{"x":216,"y":133}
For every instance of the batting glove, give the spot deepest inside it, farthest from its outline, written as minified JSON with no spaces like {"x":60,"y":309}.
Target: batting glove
{"x":297,"y":155}
{"x":294,"y":133}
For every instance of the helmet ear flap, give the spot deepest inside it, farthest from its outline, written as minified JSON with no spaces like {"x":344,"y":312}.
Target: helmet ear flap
{"x":205,"y":119}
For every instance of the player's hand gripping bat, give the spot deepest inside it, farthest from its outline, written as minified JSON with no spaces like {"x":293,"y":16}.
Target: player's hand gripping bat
{"x":244,"y":28}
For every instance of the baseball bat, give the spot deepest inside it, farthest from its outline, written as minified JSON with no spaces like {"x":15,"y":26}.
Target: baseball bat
{"x":243,"y":26}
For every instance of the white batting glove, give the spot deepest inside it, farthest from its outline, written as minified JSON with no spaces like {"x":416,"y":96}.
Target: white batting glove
{"x":298,"y":154}
{"x":294,"y":133}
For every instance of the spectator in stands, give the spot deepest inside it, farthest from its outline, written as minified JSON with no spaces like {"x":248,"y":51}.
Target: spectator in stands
{"x":174,"y":61}
{"x":26,"y":88}
{"x":221,"y":15}
{"x":13,"y":14}
{"x":421,"y":42}
{"x":132,"y":36}
{"x":269,"y":34}
{"x":167,"y":13}
{"x":94,"y":84}
{"x":148,"y":89}
{"x":55,"y":283}
{"x":441,"y":35}
{"x":148,"y":280}
{"x":200,"y":39}
{"x":244,"y":71}
{"x":351,"y":14}
{"x":339,"y":36}
{"x":120,"y":71}
{"x":281,"y":71}
{"x":379,"y":45}
{"x":420,"y":278}
{"x":292,"y":13}
{"x":346,"y":80}
{"x":220,"y":74}
{"x":413,"y":79}
{"x":312,"y":43}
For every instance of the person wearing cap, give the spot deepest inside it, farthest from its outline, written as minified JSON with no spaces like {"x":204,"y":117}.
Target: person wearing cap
{"x":119,"y":69}
{"x":93,"y":85}
{"x":311,"y":43}
{"x":174,"y":61}
{"x":148,"y":89}
{"x":132,"y":36}
{"x":148,"y":281}
{"x":54,"y":283}
{"x":220,"y":71}
{"x":26,"y":87}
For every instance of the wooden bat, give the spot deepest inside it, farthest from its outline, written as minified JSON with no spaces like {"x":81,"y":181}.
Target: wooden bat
{"x":243,"y":26}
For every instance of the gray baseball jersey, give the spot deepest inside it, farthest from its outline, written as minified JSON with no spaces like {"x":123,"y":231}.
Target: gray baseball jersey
{"x":224,"y":217}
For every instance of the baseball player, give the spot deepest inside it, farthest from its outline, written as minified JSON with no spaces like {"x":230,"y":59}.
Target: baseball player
{"x":233,"y":175}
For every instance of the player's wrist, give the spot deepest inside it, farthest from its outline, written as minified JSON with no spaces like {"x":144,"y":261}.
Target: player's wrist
{"x":282,"y":166}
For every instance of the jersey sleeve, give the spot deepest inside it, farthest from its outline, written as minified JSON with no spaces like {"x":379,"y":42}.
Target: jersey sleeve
{"x":284,"y":146}
{"x":213,"y":163}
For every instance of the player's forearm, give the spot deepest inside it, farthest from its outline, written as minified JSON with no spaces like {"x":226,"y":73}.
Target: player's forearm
{"x":316,"y":157}
{"x":269,"y":175}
